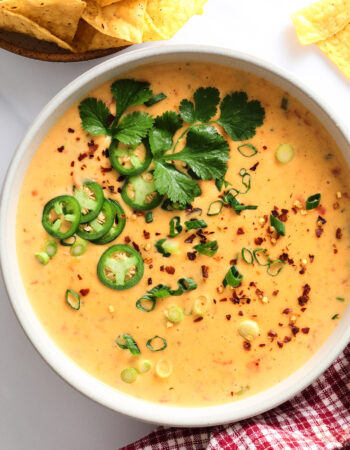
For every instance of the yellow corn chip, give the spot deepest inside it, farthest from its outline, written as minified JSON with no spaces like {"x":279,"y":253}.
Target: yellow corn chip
{"x":168,"y":16}
{"x":106,"y":2}
{"x":151,"y":32}
{"x":321,"y":20}
{"x":122,"y":20}
{"x":88,"y":38}
{"x":11,"y":21}
{"x":337,"y":48}
{"x":58,"y":17}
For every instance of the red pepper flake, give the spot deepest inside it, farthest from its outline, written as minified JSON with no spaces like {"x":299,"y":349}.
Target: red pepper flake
{"x":254,"y":167}
{"x":106,"y":169}
{"x":136,"y":247}
{"x":170,"y":270}
{"x":287,"y":311}
{"x":228,"y":316}
{"x":240,"y":230}
{"x":319,"y":232}
{"x":34,"y":193}
{"x":264,"y":147}
{"x":84,"y":292}
{"x":223,"y":300}
{"x":283,"y":217}
{"x":304,"y":298}
{"x":191,"y":256}
{"x":119,"y":190}
{"x":82,"y":156}
{"x":60,"y":149}
{"x":105,"y":152}
{"x":92,"y":146}
{"x":190,"y":239}
{"x":72,"y":164}
{"x":233,"y":262}
{"x":149,"y":281}
{"x":158,"y":234}
{"x":247,"y":345}
{"x":262,"y":345}
{"x":77,"y":139}
{"x":127,"y":239}
{"x":336,"y":172}
{"x":311,"y":257}
{"x":146,"y":234}
{"x":272,"y":334}
{"x":70,"y":130}
{"x":305,"y":330}
{"x":252,"y":284}
{"x":240,"y":313}
{"x":287,"y":339}
{"x":280,"y":344}
{"x":338,"y":233}
{"x":321,"y":220}
{"x":259,"y":240}
{"x":161,"y":268}
{"x":198,"y":319}
{"x":302,"y":270}
{"x":274,"y":212}
{"x":205,"y":271}
{"x":275,"y":292}
{"x":111,"y":189}
{"x":79,"y":277}
{"x":295,"y":210}
{"x":295,"y":330}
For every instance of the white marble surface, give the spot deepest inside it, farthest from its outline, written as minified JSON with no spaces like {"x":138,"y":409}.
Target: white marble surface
{"x":38,"y":411}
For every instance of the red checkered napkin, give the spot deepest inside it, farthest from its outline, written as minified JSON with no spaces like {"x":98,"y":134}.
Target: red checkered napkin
{"x":317,"y":418}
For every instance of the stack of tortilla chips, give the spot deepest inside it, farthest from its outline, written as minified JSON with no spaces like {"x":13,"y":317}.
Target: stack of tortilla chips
{"x":80,"y":26}
{"x":327,"y":23}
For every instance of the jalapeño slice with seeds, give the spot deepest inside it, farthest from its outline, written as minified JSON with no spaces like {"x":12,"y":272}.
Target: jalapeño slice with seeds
{"x":120,"y":267}
{"x":90,"y":198}
{"x":99,"y":226}
{"x":139,"y":192}
{"x":61,"y":216}
{"x":130,"y":160}
{"x":117,"y":227}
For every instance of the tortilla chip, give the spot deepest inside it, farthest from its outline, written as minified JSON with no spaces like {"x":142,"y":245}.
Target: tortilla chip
{"x":123,"y":20}
{"x":151,"y":32}
{"x":321,"y":20}
{"x":11,"y":21}
{"x":337,"y":48}
{"x":168,"y":16}
{"x":106,"y":2}
{"x":58,"y":17}
{"x":88,"y":38}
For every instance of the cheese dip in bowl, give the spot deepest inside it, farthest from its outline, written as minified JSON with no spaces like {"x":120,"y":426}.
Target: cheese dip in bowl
{"x":181,"y":224}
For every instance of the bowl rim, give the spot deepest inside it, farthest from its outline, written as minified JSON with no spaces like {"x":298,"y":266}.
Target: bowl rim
{"x":62,"y":364}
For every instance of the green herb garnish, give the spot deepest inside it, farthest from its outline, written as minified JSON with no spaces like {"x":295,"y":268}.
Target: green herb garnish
{"x":277,"y":225}
{"x":175,"y":226}
{"x":233,"y":277}
{"x":195,"y":224}
{"x":155,"y":99}
{"x":208,"y":248}
{"x":127,"y":342}
{"x":313,"y":201}
{"x":336,"y":316}
{"x":340,"y":299}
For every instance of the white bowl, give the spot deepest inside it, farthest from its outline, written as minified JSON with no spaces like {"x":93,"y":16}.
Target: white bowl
{"x":65,"y":367}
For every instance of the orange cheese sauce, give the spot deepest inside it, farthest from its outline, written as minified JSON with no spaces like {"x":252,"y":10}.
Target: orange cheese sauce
{"x":211,"y":362}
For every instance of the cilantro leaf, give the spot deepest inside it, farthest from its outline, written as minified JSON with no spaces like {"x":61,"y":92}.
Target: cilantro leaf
{"x":178,"y":186}
{"x":133,"y":128}
{"x":206,"y":152}
{"x":161,"y":135}
{"x":94,"y":116}
{"x":239,"y":118}
{"x":206,"y":101}
{"x":129,"y":92}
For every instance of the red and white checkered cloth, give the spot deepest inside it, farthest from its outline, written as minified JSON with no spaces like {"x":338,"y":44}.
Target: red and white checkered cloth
{"x":318,"y":418}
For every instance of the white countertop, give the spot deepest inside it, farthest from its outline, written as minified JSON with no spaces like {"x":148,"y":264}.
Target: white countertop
{"x":39,"y":411}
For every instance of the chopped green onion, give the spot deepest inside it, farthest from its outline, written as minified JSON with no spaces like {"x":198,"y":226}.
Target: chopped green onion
{"x":233,"y":277}
{"x":200,"y":305}
{"x":284,"y":153}
{"x":156,"y":338}
{"x":149,"y":217}
{"x":336,"y":316}
{"x":141,"y":303}
{"x":175,"y":226}
{"x":166,"y":247}
{"x":79,"y":247}
{"x":144,"y":366}
{"x":219,"y":183}
{"x":340,"y":299}
{"x":73,"y":299}
{"x":51,"y":248}
{"x":275,"y":263}
{"x":247,"y":259}
{"x":313,"y":201}
{"x":155,"y":99}
{"x":238,"y":207}
{"x":277,"y":225}
{"x":215,"y":208}
{"x":129,"y":375}
{"x":42,"y":257}
{"x":184,"y":285}
{"x":69,"y":241}
{"x":195,"y":224}
{"x":284,"y":103}
{"x":127,"y":342}
{"x":164,"y":368}
{"x":246,"y":180}
{"x":249,"y":152}
{"x":227,"y":197}
{"x":174,"y":313}
{"x":208,"y":248}
{"x":168,"y":205}
{"x":264,"y":251}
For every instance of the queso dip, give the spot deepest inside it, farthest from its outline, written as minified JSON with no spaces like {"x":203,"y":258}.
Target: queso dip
{"x":202,"y":302}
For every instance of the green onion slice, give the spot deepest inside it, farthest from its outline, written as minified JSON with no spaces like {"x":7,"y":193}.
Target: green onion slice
{"x":208,"y":248}
{"x":127,"y":342}
{"x":228,"y":196}
{"x":340,"y":299}
{"x":166,"y":247}
{"x":195,"y":224}
{"x":175,"y":226}
{"x":247,"y":256}
{"x":278,"y":225}
{"x":233,"y":277}
{"x":156,"y":338}
{"x":69,"y":241}
{"x":142,"y":303}
{"x":51,"y":247}
{"x":149,"y":217}
{"x":247,"y":150}
{"x":184,"y":285}
{"x":79,"y":247}
{"x":129,"y":375}
{"x":42,"y":257}
{"x":275,"y":267}
{"x":313,"y":201}
{"x":144,"y":366}
{"x":336,"y":316}
{"x":246,"y":180}
{"x":215,"y":208}
{"x":267,"y":260}
{"x":174,"y":313}
{"x":73,"y":299}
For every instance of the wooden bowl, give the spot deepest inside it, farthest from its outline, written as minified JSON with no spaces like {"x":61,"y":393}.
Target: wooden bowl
{"x":24,"y":45}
